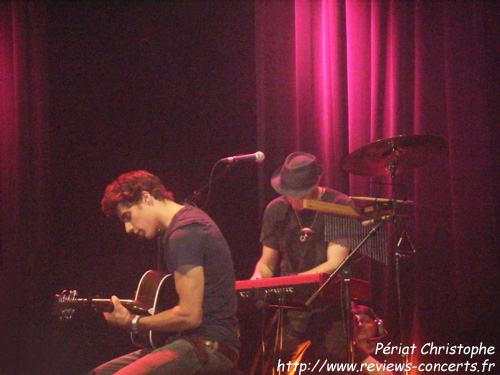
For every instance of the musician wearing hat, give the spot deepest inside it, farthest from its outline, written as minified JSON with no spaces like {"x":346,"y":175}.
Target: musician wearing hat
{"x":293,"y":243}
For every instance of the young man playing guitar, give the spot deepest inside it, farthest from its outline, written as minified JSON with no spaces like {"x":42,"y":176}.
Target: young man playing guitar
{"x":203,"y":324}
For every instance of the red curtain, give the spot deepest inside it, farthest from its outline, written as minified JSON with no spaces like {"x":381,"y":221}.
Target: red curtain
{"x":333,"y":76}
{"x":23,"y":120}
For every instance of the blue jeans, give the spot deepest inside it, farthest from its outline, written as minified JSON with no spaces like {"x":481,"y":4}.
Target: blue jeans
{"x":177,"y":357}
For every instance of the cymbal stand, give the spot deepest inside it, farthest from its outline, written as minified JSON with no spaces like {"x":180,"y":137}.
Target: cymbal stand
{"x":398,"y":255}
{"x":393,"y":167}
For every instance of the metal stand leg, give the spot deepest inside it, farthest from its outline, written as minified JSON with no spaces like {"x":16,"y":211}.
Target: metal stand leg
{"x":346,"y":275}
{"x":402,"y":254}
{"x":278,"y":342}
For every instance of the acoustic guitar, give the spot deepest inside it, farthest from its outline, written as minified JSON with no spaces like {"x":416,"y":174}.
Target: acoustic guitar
{"x":155,"y":293}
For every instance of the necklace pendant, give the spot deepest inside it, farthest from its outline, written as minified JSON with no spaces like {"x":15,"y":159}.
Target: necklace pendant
{"x":305,"y":233}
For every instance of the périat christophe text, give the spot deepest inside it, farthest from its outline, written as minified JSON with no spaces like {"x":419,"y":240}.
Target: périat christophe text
{"x":469,"y":358}
{"x":433,"y":359}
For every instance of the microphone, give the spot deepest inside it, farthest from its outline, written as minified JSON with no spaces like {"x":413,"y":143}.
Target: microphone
{"x":384,"y":218}
{"x":257,"y":157}
{"x":367,"y":223}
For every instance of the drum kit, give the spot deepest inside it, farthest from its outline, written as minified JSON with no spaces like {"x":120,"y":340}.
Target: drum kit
{"x":393,"y":156}
{"x":383,"y":157}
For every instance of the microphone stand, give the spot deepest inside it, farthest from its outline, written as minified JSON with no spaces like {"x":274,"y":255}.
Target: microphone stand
{"x":346,"y":279}
{"x":399,"y":255}
{"x":212,"y":179}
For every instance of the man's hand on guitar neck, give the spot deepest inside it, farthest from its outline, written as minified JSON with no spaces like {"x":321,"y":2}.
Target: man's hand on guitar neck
{"x":120,"y":316}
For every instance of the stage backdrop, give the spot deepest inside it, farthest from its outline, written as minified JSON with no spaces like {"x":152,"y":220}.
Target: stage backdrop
{"x":338,"y":75}
{"x":89,"y":90}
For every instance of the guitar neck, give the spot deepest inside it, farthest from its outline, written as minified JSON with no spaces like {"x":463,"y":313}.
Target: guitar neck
{"x":133,"y":306}
{"x":105,"y":305}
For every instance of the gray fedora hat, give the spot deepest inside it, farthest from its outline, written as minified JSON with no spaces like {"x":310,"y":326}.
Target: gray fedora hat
{"x":298,"y":176}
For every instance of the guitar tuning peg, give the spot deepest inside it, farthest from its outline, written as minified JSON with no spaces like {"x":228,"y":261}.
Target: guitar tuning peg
{"x":69,"y":295}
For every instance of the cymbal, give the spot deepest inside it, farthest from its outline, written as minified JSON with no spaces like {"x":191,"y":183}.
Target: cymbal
{"x":403,"y":152}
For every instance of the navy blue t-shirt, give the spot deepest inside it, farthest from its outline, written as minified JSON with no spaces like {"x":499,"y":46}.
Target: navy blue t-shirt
{"x":194,"y":239}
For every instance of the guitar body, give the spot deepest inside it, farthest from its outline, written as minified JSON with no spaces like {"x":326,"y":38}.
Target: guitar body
{"x":155,"y":293}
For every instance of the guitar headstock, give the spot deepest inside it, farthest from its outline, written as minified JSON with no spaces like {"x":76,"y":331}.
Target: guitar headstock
{"x":64,"y":305}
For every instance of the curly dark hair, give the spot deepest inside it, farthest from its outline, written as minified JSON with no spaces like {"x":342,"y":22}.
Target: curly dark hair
{"x":128,"y":189}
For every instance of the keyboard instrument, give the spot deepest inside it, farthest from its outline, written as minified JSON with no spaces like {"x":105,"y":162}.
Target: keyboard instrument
{"x":294,"y":291}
